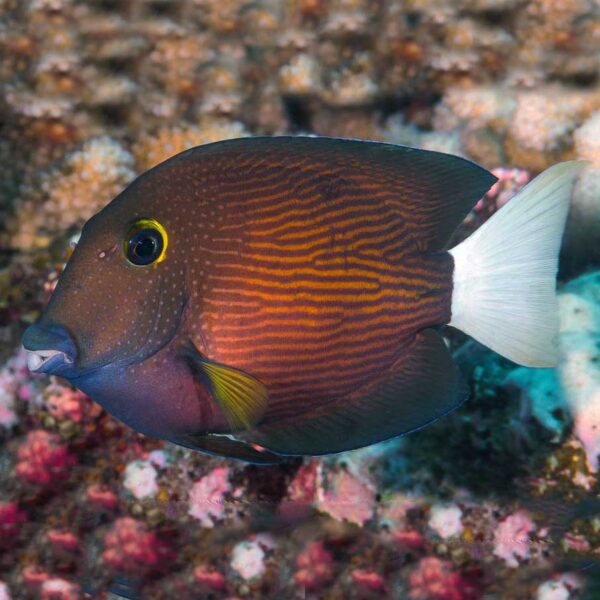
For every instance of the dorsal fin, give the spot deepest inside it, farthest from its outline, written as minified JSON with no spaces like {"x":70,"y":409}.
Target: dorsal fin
{"x":434,"y":191}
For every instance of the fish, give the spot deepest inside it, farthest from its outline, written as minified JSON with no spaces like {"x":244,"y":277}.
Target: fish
{"x":268,"y":297}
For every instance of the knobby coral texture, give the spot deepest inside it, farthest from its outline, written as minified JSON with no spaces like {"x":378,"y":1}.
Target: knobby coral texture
{"x":494,"y":501}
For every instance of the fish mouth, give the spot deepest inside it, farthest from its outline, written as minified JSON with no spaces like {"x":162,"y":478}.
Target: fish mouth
{"x":50,"y":349}
{"x":47,"y":361}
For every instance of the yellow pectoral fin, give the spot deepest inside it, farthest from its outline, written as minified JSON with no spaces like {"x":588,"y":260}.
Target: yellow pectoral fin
{"x":241,"y":397}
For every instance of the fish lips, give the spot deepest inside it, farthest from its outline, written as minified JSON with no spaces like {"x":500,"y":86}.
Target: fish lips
{"x":50,"y":349}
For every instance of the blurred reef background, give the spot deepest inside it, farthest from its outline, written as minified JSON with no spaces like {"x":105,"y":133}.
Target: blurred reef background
{"x":498,"y":501}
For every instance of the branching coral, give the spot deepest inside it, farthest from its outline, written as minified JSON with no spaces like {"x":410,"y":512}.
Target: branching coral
{"x":43,"y":460}
{"x":70,"y":194}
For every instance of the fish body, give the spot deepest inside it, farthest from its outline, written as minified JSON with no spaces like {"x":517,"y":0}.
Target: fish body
{"x":272,"y":296}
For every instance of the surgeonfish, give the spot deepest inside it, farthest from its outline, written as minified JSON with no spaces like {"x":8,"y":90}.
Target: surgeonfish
{"x":264,"y":297}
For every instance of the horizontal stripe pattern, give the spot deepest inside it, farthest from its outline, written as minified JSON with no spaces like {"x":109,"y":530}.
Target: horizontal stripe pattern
{"x":312,"y":276}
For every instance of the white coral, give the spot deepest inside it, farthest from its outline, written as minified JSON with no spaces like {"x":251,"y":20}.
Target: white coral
{"x":476,"y":107}
{"x":85,"y":182}
{"x":4,"y":592}
{"x":544,"y":120}
{"x":559,"y":588}
{"x":140,"y":479}
{"x":300,"y":76}
{"x":445,"y":520}
{"x":587,"y":140}
{"x":248,"y":560}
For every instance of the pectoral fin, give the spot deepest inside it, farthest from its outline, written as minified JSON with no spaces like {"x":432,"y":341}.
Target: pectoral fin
{"x":241,"y":397}
{"x":222,"y":445}
{"x":421,"y":386}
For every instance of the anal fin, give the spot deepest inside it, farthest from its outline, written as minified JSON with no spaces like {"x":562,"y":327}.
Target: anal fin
{"x":421,"y":386}
{"x":223,"y":445}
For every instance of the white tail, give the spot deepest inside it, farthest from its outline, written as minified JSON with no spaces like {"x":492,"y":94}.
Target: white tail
{"x":505,"y":273}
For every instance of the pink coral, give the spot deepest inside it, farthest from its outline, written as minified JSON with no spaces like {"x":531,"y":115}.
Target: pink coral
{"x":304,"y":485}
{"x":42,"y":459}
{"x":301,"y":494}
{"x":62,"y":539}
{"x":209,"y":578}
{"x":368,"y":580}
{"x":576,"y":542}
{"x":206,"y":497}
{"x":25,"y":391}
{"x":346,"y":498}
{"x":510,"y":182}
{"x":394,"y":511}
{"x":130,"y":546}
{"x":65,"y":403}
{"x":59,"y":589}
{"x":587,"y":418}
{"x":315,"y":567}
{"x":101,"y":496}
{"x":410,"y":538}
{"x":393,"y":514}
{"x":512,"y":538}
{"x":33,"y":577}
{"x":11,"y":519}
{"x":434,"y":579}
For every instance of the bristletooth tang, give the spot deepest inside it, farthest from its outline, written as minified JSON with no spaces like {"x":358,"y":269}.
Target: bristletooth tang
{"x":264,"y":297}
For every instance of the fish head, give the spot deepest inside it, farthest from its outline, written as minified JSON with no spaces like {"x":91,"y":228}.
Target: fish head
{"x":122,"y":294}
{"x":119,"y":304}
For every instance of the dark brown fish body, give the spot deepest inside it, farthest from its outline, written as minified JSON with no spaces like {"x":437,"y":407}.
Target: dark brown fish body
{"x":311,"y":279}
{"x":302,"y":275}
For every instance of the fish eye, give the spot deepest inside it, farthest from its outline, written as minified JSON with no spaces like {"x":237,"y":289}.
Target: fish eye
{"x":145,"y":242}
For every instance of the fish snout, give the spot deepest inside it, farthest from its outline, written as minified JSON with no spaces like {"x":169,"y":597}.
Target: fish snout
{"x":50,"y":349}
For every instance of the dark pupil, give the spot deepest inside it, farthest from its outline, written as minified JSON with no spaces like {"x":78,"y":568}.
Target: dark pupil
{"x":145,"y":247}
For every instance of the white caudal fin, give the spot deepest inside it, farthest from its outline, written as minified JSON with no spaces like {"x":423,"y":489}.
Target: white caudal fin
{"x":505,"y":273}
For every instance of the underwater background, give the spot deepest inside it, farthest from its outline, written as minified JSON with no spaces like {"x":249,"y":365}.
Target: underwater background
{"x":499,"y":500}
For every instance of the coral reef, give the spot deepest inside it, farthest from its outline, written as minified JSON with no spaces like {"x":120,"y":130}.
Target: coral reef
{"x":579,"y":369}
{"x":70,"y":194}
{"x":494,"y":501}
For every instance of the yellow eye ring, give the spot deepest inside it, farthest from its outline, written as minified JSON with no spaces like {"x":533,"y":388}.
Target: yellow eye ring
{"x":145,"y":243}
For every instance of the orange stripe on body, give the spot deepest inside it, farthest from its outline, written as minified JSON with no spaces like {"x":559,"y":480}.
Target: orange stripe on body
{"x":367,"y":210}
{"x":290,"y":285}
{"x":338,"y":368}
{"x":332,"y":273}
{"x":221,"y":305}
{"x":308,"y":296}
{"x":222,"y":327}
{"x":307,"y":342}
